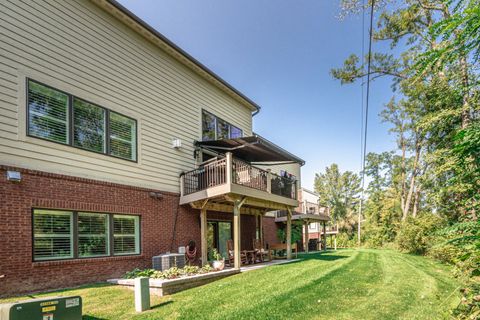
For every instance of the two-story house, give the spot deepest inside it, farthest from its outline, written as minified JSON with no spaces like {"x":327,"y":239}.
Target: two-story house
{"x":116,"y":146}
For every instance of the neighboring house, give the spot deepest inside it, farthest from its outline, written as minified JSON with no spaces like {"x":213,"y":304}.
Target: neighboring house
{"x":116,"y":145}
{"x":314,"y":218}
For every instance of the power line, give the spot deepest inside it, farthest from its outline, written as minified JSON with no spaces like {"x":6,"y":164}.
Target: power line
{"x":366,"y":117}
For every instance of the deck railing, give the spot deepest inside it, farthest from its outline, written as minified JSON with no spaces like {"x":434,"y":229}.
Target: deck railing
{"x":207,"y":176}
{"x":215,"y":173}
{"x":249,"y":176}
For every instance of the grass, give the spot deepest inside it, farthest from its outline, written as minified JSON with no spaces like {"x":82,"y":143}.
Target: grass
{"x":346,"y":284}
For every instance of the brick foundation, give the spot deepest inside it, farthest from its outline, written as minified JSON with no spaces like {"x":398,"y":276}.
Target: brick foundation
{"x":45,"y":190}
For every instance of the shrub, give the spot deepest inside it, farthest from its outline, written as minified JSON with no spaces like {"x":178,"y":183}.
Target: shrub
{"x":416,"y":234}
{"x":469,"y":307}
{"x":378,"y":236}
{"x":171,"y":273}
{"x":135,"y":273}
{"x":345,"y":241}
{"x":459,"y":244}
{"x":297,"y":232}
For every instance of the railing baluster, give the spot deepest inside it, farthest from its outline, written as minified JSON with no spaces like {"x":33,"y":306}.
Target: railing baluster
{"x":215,"y":173}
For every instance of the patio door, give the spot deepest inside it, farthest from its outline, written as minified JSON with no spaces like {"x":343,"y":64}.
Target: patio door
{"x":218,"y":233}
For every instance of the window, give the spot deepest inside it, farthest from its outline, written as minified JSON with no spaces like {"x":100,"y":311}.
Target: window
{"x":214,"y":128}
{"x":47,"y":113}
{"x":92,"y":234}
{"x":123,"y":136}
{"x":208,"y":126}
{"x":235,"y":132}
{"x":125,"y":235}
{"x":60,"y":117}
{"x":222,"y":129}
{"x":88,"y":126}
{"x":53,"y":235}
{"x":70,"y":234}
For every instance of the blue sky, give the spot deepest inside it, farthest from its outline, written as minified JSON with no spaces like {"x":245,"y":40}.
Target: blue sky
{"x":279,"y":53}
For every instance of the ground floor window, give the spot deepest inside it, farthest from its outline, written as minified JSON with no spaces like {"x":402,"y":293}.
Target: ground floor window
{"x":53,"y":234}
{"x":59,"y":234}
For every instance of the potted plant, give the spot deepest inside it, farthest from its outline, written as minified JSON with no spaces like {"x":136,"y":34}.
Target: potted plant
{"x":218,"y":260}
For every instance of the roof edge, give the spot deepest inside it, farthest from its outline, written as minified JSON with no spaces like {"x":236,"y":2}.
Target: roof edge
{"x":255,"y":107}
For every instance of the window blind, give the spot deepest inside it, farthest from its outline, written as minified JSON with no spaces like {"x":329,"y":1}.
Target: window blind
{"x":92,"y":234}
{"x":53,"y":236}
{"x":122,"y":136}
{"x":126,"y":235}
{"x":47,"y":113}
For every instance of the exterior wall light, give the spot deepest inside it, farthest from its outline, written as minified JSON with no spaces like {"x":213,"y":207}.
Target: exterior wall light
{"x":156,"y":195}
{"x":176,"y":143}
{"x":14,"y":176}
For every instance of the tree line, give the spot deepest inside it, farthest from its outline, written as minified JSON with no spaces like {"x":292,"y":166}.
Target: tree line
{"x":424,"y":196}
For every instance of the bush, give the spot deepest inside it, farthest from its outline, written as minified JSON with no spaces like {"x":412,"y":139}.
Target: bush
{"x":459,"y":244}
{"x":171,"y":273}
{"x":416,"y":235}
{"x":469,"y":307}
{"x":378,"y":235}
{"x":297,"y":232}
{"x":345,"y":241}
{"x":135,"y":273}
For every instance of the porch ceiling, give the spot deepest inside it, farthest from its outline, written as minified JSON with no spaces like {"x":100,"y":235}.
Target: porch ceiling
{"x":308,"y":217}
{"x":250,"y":205}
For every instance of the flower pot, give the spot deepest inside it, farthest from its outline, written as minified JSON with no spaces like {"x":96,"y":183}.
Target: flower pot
{"x":218,"y":264}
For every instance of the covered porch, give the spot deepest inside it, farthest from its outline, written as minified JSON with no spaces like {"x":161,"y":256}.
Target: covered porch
{"x":306,"y":219}
{"x":229,"y":184}
{"x":234,"y":206}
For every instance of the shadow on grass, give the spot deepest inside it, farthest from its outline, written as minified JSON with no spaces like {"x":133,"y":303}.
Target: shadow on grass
{"x":87,"y":317}
{"x":162,"y":304}
{"x":321,"y":256}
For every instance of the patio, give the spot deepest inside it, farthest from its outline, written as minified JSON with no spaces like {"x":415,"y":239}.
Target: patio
{"x":162,"y":287}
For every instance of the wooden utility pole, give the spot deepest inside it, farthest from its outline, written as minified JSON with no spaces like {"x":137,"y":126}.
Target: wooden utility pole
{"x":360,"y":221}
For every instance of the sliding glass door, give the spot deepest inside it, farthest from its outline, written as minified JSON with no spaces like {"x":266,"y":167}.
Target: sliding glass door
{"x":218,"y":234}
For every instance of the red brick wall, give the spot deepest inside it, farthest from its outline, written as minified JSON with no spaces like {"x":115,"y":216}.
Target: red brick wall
{"x":270,"y":230}
{"x":46,"y":190}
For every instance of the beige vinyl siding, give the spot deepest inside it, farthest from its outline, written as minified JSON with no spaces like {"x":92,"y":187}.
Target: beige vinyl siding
{"x":79,"y":48}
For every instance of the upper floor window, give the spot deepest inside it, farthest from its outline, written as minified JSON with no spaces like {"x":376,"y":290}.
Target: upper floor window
{"x":214,"y":128}
{"x":61,"y":117}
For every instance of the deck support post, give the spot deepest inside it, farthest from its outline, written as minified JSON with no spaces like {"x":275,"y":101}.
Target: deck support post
{"x":335,"y":242}
{"x":324,"y":237}
{"x":229,"y":166}
{"x":305,"y":236}
{"x":289,"y":233}
{"x":237,"y":205}
{"x":203,"y":235}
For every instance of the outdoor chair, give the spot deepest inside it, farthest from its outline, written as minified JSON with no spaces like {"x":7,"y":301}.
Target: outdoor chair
{"x":243,"y":254}
{"x":260,"y":251}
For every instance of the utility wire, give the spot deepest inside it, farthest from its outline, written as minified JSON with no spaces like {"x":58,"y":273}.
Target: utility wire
{"x":362,"y":85}
{"x":366,"y":118}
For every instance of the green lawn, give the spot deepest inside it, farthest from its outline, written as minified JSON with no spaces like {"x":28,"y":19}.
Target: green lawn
{"x":347,"y":284}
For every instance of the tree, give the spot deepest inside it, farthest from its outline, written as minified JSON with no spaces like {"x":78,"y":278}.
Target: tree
{"x":338,"y":191}
{"x":436,"y":75}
